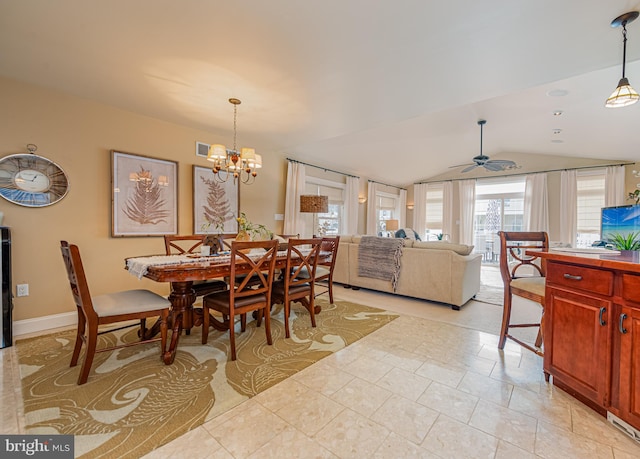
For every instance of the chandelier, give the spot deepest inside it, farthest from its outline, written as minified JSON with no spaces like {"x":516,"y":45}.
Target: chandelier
{"x":241,"y":165}
{"x":624,"y":94}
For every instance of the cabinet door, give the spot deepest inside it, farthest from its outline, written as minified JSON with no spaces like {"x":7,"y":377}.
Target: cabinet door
{"x":577,"y":343}
{"x":628,"y":331}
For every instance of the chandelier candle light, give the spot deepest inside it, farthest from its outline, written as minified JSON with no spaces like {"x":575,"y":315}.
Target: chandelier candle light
{"x":241,"y":165}
{"x":624,"y":94}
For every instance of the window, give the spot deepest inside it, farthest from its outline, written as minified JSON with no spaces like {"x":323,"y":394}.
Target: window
{"x":387,"y":209}
{"x":434,"y":211}
{"x":499,"y":207}
{"x":329,"y":223}
{"x":590,"y":196}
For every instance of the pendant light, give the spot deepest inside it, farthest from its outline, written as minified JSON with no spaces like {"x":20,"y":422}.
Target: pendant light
{"x":624,"y":94}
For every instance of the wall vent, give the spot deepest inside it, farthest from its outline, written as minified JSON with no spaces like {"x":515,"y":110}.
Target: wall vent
{"x":202,"y":149}
{"x":623,"y":426}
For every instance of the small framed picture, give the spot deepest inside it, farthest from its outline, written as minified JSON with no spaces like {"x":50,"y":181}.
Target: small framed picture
{"x":144,"y":195}
{"x":215,"y":204}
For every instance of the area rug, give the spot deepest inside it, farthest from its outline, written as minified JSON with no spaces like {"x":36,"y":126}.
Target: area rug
{"x":133,"y":403}
{"x":490,"y":294}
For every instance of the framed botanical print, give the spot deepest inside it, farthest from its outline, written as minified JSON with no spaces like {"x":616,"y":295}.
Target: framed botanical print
{"x":215,"y":205}
{"x":144,"y":195}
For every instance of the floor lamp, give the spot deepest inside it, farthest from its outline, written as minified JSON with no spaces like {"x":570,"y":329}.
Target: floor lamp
{"x":315,"y":204}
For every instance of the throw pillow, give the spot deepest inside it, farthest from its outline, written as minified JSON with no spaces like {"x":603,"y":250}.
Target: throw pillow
{"x":407,"y":233}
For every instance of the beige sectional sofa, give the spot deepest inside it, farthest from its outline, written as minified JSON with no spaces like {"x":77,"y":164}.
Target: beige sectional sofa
{"x":431,"y":270}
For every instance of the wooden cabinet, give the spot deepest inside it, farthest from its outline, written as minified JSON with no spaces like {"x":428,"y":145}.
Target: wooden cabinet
{"x":578,"y":328}
{"x":592,"y":332}
{"x":628,"y":332}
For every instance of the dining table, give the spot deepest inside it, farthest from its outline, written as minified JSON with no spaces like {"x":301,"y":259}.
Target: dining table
{"x":181,"y":271}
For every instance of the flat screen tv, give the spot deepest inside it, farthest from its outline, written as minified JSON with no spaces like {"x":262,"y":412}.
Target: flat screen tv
{"x":621,"y":220}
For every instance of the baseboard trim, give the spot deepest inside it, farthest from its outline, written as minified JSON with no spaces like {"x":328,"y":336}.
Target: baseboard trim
{"x":41,"y":324}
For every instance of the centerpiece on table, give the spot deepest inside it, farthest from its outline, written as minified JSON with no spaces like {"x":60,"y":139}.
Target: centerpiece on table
{"x":248,"y":231}
{"x":214,"y":240}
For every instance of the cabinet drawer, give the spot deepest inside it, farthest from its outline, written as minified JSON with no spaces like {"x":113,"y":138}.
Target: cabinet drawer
{"x":631,"y":287}
{"x":580,"y":278}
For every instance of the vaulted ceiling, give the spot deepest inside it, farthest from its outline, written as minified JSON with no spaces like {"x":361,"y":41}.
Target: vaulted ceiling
{"x":390,"y":90}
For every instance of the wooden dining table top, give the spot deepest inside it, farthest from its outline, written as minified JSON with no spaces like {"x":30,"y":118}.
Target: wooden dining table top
{"x":207,"y":267}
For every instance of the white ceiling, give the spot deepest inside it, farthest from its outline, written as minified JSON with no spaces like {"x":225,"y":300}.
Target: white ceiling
{"x":390,"y":90}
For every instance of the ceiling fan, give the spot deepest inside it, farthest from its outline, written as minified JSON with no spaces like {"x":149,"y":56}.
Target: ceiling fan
{"x":493,"y":165}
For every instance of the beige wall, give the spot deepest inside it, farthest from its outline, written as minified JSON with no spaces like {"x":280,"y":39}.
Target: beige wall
{"x":78,"y":135}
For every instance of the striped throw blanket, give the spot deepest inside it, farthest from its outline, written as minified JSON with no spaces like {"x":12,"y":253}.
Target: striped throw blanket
{"x":379,"y":258}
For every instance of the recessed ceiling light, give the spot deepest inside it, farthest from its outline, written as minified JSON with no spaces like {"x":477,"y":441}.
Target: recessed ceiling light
{"x":557,"y":131}
{"x":557,"y":93}
{"x":557,"y":112}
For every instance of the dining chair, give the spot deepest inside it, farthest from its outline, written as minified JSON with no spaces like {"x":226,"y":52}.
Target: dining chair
{"x":523,"y":275}
{"x":190,"y":244}
{"x":326,"y":263}
{"x":295,"y":285}
{"x":244,"y":296}
{"x":108,"y":309}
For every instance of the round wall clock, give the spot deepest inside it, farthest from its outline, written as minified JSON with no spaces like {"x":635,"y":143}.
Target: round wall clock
{"x":31,"y":180}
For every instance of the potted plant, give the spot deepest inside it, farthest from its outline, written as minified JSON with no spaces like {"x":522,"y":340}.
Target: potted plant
{"x":248,"y":231}
{"x":629,"y":242}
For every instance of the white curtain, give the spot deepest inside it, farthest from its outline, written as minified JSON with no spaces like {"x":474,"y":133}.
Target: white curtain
{"x":614,"y":186}
{"x":568,"y":207}
{"x":372,"y":220}
{"x":420,"y":208}
{"x":447,"y":210}
{"x":467,"y":209}
{"x":402,"y":212}
{"x":293,"y":222}
{"x":351,"y":206}
{"x":536,"y":206}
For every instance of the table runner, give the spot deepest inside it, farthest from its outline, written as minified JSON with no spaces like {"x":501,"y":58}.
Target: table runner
{"x":138,"y":266}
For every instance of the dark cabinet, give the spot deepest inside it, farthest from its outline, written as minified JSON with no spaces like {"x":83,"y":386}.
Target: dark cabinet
{"x":6,"y":325}
{"x":592,"y":336}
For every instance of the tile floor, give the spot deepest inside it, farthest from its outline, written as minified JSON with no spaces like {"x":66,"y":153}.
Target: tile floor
{"x":427,"y":385}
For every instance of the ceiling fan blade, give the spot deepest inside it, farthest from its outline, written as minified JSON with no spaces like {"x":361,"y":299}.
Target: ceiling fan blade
{"x":493,"y":166}
{"x":461,"y":165}
{"x":503,"y":162}
{"x":470,"y":168}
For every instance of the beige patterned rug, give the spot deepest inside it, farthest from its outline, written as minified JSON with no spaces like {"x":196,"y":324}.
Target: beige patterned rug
{"x":133,"y":403}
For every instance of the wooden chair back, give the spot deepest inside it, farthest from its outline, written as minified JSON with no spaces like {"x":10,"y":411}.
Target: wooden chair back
{"x":513,"y":259}
{"x":302,"y":258}
{"x":191,"y":243}
{"x":78,"y":280}
{"x":178,"y":245}
{"x":258,"y":280}
{"x":328,"y":252}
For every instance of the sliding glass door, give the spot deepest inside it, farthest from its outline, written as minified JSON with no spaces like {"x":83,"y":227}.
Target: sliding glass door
{"x":499,"y":207}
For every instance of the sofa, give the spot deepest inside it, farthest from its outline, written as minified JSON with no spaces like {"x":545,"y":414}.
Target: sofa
{"x":431,"y":270}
